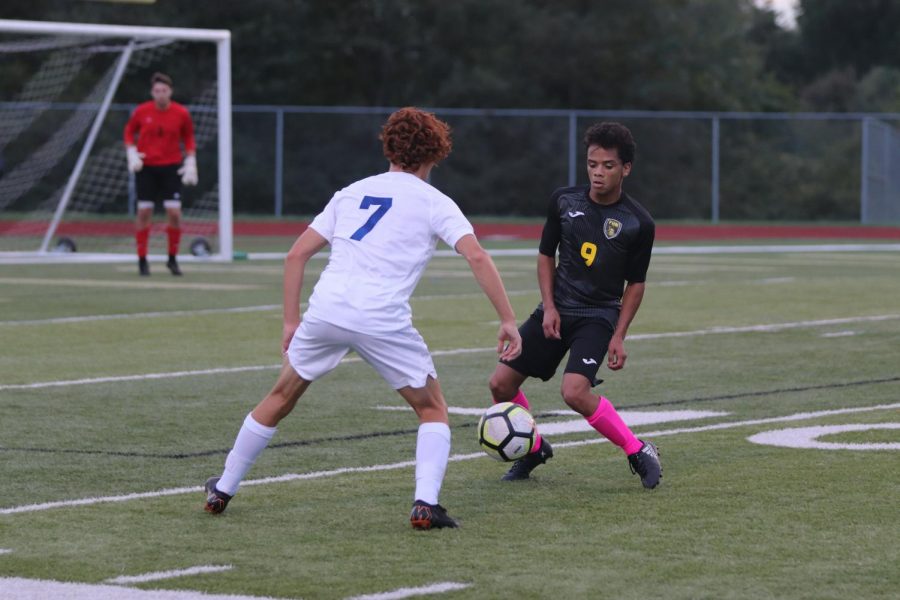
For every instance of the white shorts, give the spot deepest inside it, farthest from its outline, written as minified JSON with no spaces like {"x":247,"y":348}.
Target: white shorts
{"x":401,"y":357}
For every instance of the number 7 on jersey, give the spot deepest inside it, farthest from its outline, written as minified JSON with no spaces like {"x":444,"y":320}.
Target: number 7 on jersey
{"x":383,"y":205}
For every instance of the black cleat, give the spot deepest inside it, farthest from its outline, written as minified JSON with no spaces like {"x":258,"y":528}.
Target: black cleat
{"x":216,"y":501}
{"x":143,"y":266}
{"x":645,"y":462}
{"x":172,"y":265}
{"x":523,"y":467}
{"x":430,"y":516}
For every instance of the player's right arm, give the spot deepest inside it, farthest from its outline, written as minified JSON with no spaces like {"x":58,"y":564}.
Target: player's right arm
{"x":309,"y":242}
{"x":509,"y":342}
{"x":546,"y":268}
{"x":135,"y":159}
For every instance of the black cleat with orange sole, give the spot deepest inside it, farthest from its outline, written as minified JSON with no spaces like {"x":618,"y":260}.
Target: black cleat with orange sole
{"x":430,"y":516}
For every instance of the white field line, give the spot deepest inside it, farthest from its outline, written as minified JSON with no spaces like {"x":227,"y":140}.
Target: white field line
{"x":215,"y":311}
{"x":159,"y":575}
{"x":772,"y":327}
{"x":765,"y":328}
{"x":27,"y":508}
{"x":425,"y":590}
{"x":676,"y":250}
{"x":173,"y":374}
{"x":126,"y":284}
{"x":145,"y":315}
{"x":5,"y":551}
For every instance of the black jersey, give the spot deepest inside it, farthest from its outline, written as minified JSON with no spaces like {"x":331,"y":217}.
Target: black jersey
{"x":600,"y":248}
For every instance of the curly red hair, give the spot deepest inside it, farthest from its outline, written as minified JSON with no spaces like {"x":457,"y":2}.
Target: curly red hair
{"x":413,"y":137}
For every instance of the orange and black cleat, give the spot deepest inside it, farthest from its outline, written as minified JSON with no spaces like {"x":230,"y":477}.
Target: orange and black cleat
{"x":430,"y":516}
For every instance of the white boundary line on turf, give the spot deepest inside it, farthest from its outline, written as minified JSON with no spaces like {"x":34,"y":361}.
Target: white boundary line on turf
{"x":145,"y":315}
{"x":160,"y":575}
{"x":214,"y":311}
{"x":112,"y":283}
{"x":636,"y":337}
{"x":27,"y":508}
{"x":720,"y":249}
{"x":425,"y":590}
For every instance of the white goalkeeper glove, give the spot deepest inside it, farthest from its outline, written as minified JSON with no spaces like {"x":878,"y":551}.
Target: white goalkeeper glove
{"x":135,"y":159}
{"x":188,"y":170}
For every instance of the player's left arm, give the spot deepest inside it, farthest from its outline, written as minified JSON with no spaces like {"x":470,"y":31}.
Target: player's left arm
{"x":635,"y":275}
{"x":509,"y":342}
{"x":631,"y":301}
{"x":188,"y":171}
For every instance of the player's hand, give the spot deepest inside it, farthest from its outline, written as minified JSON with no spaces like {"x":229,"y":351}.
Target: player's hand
{"x":615,"y":354}
{"x":509,"y":342}
{"x":287,"y":334}
{"x":188,"y":170}
{"x":551,"y":324}
{"x":135,"y":159}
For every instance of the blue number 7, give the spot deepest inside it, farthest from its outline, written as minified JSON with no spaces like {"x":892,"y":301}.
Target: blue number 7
{"x":383,"y":205}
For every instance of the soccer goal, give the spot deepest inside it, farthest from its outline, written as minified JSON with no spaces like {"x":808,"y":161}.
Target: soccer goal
{"x":67,"y":91}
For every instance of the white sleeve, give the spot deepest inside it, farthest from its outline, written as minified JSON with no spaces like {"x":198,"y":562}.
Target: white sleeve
{"x":449,"y":222}
{"x":325,"y":221}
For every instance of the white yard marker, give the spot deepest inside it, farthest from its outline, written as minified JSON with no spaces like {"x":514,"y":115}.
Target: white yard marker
{"x":425,"y":590}
{"x":406,"y":464}
{"x":839,"y":334}
{"x":808,"y":437}
{"x":40,"y":589}
{"x":159,"y":575}
{"x":5,"y":551}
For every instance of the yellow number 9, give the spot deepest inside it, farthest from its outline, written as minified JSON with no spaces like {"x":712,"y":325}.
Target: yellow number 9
{"x":588,"y":253}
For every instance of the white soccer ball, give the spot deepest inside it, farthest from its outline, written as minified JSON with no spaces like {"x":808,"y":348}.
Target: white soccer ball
{"x":506,"y":431}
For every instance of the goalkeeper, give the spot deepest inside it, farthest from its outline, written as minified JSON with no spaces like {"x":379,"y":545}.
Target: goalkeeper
{"x":154,"y":136}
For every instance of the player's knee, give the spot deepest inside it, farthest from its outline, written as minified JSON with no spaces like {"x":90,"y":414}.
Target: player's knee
{"x":501,"y":389}
{"x":575,"y":396}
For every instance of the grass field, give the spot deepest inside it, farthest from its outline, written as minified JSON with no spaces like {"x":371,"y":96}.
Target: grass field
{"x":119,"y":396}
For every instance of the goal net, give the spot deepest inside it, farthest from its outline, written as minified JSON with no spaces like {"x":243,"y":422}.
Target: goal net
{"x":67,"y":92}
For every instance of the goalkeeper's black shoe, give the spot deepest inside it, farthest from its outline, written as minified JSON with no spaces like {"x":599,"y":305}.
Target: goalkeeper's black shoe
{"x":645,"y":462}
{"x":143,"y":266}
{"x":523,"y":467}
{"x":430,"y":516}
{"x":172,"y":265}
{"x":216,"y":501}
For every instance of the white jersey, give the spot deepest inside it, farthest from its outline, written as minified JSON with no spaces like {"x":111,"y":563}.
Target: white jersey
{"x":383,"y":231}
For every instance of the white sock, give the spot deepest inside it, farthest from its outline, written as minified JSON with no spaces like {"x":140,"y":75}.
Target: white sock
{"x":251,"y":440}
{"x":432,"y":454}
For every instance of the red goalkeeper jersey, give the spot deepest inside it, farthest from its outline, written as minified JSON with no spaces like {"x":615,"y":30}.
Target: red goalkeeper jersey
{"x":160,"y":133}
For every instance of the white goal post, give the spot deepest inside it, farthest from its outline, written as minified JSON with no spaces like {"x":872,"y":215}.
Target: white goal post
{"x":127,"y":37}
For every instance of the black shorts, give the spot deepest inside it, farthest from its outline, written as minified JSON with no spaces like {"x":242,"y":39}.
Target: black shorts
{"x":158,"y":183}
{"x":586,"y":339}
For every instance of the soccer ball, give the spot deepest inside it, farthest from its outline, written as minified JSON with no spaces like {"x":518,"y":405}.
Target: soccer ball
{"x":506,"y":431}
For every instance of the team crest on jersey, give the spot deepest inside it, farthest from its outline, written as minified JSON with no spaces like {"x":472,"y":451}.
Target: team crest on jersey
{"x":611,"y":228}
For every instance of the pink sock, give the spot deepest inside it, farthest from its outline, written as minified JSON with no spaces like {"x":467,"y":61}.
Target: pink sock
{"x":522,"y":401}
{"x":519,"y":399}
{"x":611,"y":426}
